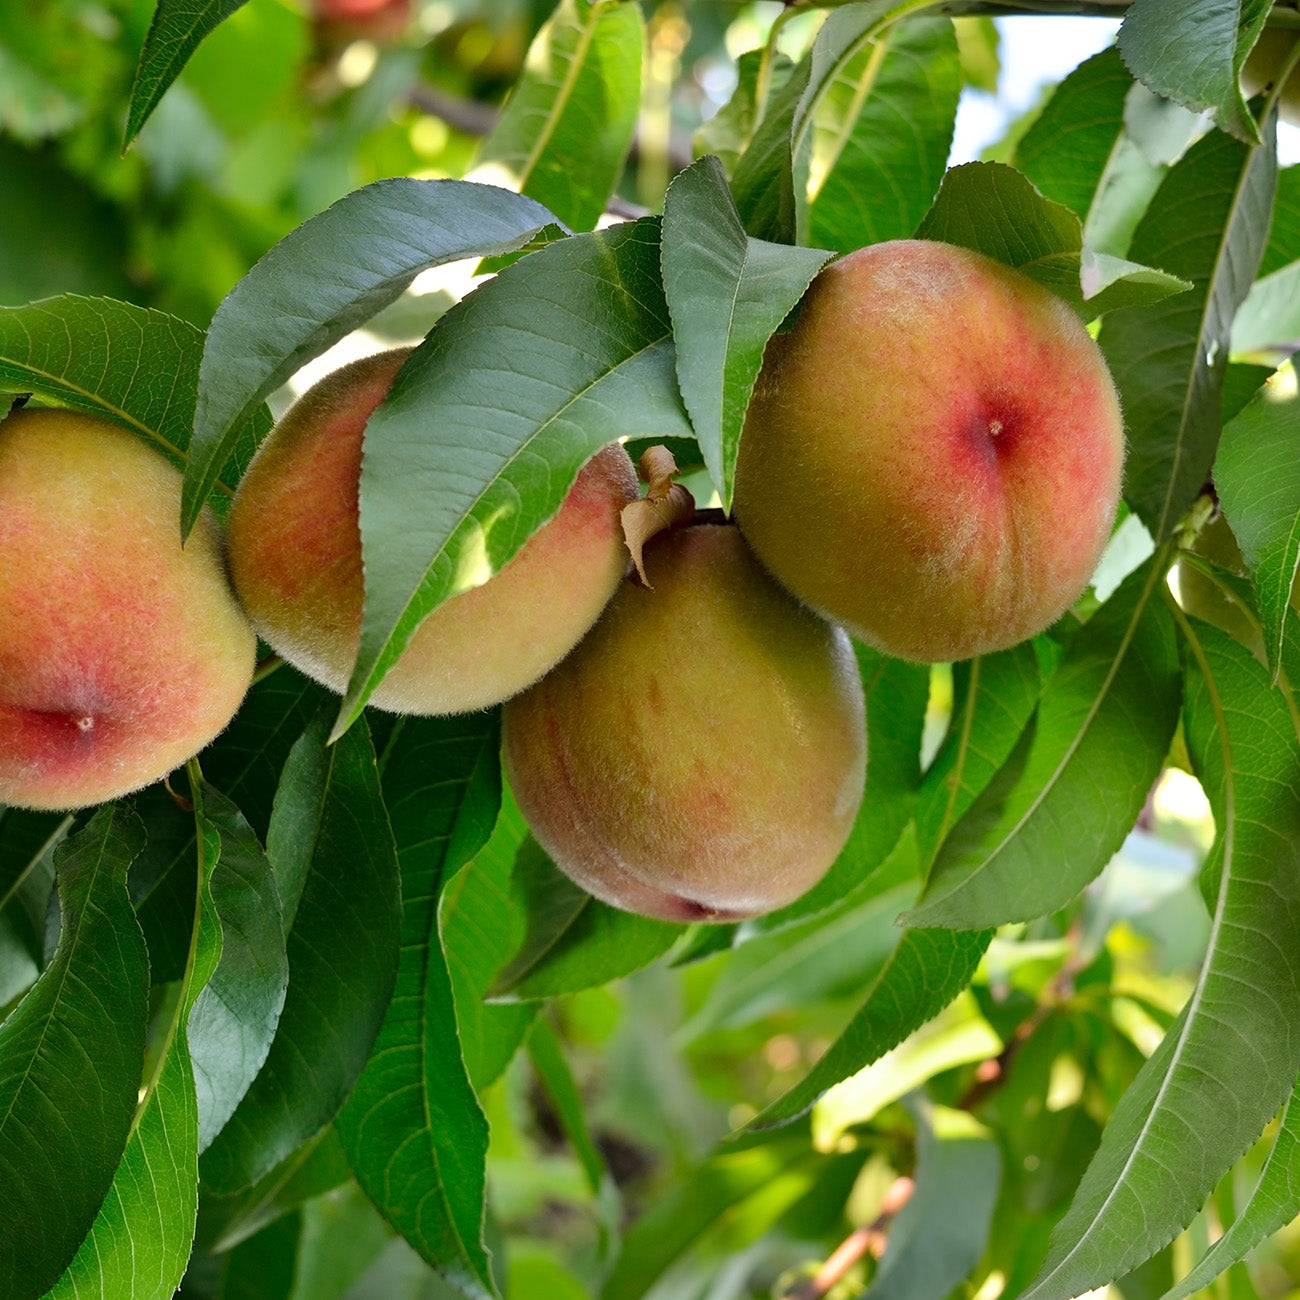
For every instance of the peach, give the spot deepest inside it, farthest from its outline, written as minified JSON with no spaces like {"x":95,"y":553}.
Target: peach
{"x":122,"y":654}
{"x":933,"y":454}
{"x":295,"y":555}
{"x":701,"y":755}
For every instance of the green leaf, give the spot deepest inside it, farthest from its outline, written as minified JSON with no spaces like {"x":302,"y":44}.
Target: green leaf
{"x":481,"y":927}
{"x":994,"y":697}
{"x":1274,"y":1202}
{"x":1257,"y":474}
{"x":316,"y":1167}
{"x":1205,"y":224}
{"x":176,"y":31}
{"x":958,"y":1035}
{"x":939,"y":1235}
{"x":27,"y":844}
{"x":925,"y":972}
{"x":132,"y":365}
{"x":489,"y":422}
{"x":412,"y":1129}
{"x":1066,"y":151}
{"x":881,"y":131}
{"x":1193,"y":54}
{"x":73,"y":1050}
{"x":336,"y":868}
{"x":247,"y":758}
{"x":728,"y":132}
{"x":547,"y":1056}
{"x":897,"y":694}
{"x":763,"y":181}
{"x":1232,"y":1056}
{"x":1076,"y":780}
{"x":234,"y":1017}
{"x":994,"y":210}
{"x":139,"y":1244}
{"x":564,"y":133}
{"x":727,"y":294}
{"x":830,"y":956}
{"x":779,"y":1171}
{"x":324,"y":279}
{"x":573,"y":941}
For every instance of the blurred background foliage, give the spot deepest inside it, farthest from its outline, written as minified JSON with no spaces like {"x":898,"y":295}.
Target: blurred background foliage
{"x":597,"y":1129}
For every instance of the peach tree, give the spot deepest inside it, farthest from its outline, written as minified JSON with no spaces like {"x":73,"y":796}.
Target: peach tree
{"x":317,"y":1017}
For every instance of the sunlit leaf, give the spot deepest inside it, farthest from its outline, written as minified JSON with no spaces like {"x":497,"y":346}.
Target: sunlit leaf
{"x":177,"y":28}
{"x":881,"y":131}
{"x":565,"y":131}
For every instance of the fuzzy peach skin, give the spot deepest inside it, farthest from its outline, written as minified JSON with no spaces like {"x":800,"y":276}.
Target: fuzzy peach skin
{"x":121,"y":654}
{"x":295,"y":554}
{"x":933,"y":454}
{"x":701,"y":755}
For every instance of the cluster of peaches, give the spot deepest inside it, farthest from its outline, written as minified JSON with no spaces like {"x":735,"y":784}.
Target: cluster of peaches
{"x":931,"y":463}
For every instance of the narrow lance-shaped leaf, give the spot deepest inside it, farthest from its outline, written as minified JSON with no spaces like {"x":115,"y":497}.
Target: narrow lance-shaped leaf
{"x":573,"y":941}
{"x":564,"y":133}
{"x":235,"y":1014}
{"x":336,"y":868}
{"x":140,"y":1242}
{"x":1232,"y":1056}
{"x":412,"y":1129}
{"x":133,"y":365}
{"x":994,"y":697}
{"x":177,"y":29}
{"x":1207,"y":224}
{"x":881,"y":131}
{"x":1193,"y":54}
{"x":1257,"y":474}
{"x":1069,"y":145}
{"x":489,"y":422}
{"x":927,"y":970}
{"x":993,"y":209}
{"x":73,"y":1048}
{"x":1274,"y":1202}
{"x":727,"y":294}
{"x":940,"y":1233}
{"x":1072,"y":788}
{"x":325,"y":278}
{"x":763,"y":180}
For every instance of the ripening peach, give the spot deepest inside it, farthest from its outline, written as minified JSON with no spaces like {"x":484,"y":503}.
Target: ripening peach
{"x":122,"y":654}
{"x":295,"y":555}
{"x":933,"y":454}
{"x":701,"y":755}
